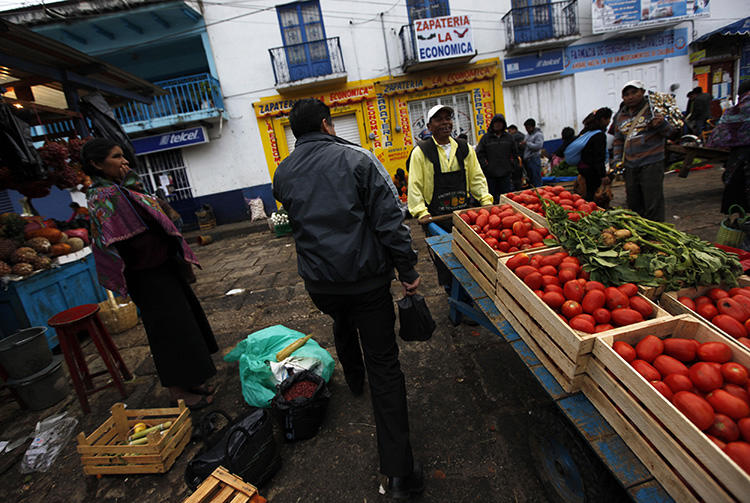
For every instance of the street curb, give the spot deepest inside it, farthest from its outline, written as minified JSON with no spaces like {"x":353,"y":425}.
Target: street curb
{"x":227,"y":231}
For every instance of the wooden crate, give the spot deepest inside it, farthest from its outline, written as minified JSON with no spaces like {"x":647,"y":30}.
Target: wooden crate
{"x":221,"y":487}
{"x":479,"y":259}
{"x":670,"y":303}
{"x":106,"y":450}
{"x":533,"y":215}
{"x":572,"y":344}
{"x":698,"y":469}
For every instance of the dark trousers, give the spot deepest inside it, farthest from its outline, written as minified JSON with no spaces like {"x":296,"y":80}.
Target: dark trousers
{"x":644,"y":188}
{"x":534,"y":170}
{"x":499,"y":185}
{"x":363,"y":324}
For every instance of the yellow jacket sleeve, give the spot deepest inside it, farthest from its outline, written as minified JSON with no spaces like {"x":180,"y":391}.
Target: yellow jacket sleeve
{"x":420,"y":186}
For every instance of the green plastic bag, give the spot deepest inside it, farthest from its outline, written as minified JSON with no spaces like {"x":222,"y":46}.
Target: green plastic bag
{"x":258,"y":383}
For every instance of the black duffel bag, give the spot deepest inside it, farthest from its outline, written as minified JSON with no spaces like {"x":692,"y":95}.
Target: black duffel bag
{"x":301,"y":417}
{"x":245,"y":446}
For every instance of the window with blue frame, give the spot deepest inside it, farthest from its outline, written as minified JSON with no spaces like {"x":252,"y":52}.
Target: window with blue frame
{"x":532,"y":20}
{"x":423,"y":9}
{"x":304,"y":39}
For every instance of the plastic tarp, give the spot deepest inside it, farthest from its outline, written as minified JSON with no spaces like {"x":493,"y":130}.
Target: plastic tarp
{"x":257,"y":349}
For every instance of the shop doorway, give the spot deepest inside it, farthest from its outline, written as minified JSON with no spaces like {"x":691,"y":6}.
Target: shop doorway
{"x":165,"y":170}
{"x":652,"y":76}
{"x":462,"y":122}
{"x":551,"y":103}
{"x":346,"y":127}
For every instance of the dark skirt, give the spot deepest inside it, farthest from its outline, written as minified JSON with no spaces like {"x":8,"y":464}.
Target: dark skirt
{"x":178,"y":331}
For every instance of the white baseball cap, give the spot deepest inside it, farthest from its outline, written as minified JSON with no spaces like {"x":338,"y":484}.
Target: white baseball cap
{"x":436,"y":109}
{"x":634,"y":83}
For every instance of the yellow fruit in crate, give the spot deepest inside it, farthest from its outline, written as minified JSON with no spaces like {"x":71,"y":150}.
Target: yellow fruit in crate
{"x":139,"y":427}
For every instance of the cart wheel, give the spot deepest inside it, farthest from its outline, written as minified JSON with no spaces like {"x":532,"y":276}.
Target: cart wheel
{"x":569,"y":471}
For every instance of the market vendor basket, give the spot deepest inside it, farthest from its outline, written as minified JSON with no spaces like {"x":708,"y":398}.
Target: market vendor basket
{"x":107,"y":451}
{"x":118,"y":316}
{"x":681,"y":457}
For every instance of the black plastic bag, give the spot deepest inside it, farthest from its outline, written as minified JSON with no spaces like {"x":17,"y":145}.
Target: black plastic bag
{"x":245,"y":446}
{"x":415,"y":319}
{"x":301,"y":417}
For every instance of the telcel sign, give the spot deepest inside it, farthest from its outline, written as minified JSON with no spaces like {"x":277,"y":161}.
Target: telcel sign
{"x":443,"y":37}
{"x":169,"y":141}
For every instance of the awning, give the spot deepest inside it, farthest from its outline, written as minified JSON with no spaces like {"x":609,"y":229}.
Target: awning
{"x":741,"y":27}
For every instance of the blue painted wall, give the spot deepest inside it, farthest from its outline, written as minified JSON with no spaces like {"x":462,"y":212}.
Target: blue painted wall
{"x":230,"y":206}
{"x":55,"y":205}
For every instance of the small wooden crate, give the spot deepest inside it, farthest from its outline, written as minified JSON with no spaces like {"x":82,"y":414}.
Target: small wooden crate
{"x":479,"y":259}
{"x":222,"y":486}
{"x":679,"y":455}
{"x":533,"y":215}
{"x":106,"y":450}
{"x":670,"y":303}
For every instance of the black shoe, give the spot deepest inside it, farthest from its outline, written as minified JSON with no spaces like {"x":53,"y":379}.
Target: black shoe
{"x":402,"y":488}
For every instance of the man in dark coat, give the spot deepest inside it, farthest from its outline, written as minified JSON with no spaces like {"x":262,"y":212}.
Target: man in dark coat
{"x":498,"y":156}
{"x":699,"y":110}
{"x":349,"y":233}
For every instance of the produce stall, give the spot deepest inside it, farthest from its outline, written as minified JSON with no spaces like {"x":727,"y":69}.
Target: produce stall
{"x":593,"y":305}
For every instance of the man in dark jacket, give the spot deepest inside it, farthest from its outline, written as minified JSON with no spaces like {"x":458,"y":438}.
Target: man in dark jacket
{"x":699,"y":110}
{"x":349,"y":233}
{"x":498,"y":157}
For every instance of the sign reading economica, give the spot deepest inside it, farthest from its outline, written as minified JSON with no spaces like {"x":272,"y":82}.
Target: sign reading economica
{"x":443,"y":37}
{"x":611,"y":15}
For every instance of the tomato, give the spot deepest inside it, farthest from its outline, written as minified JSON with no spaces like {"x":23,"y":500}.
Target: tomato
{"x":678,"y":382}
{"x":582,"y":324}
{"x":571,"y":308}
{"x":519,"y":229}
{"x":646,"y":370}
{"x":705,"y":376}
{"x":615,"y":298}
{"x":573,"y":290}
{"x":594,"y":285}
{"x":732,"y":308}
{"x":744,"y":291}
{"x":663,"y":389}
{"x":505,"y":234}
{"x":744,"y":427}
{"x":628,"y":289}
{"x":682,"y":349}
{"x":553,"y":299}
{"x":707,"y":310}
{"x":729,"y":325}
{"x":642,"y":306}
{"x":514,"y":241}
{"x":496,"y":209}
{"x":534,"y":236}
{"x":724,"y":428}
{"x":547,"y":270}
{"x":603,"y":328}
{"x":743,"y":301}
{"x":702,"y":300}
{"x":740,"y":454}
{"x":695,"y":408}
{"x":602,"y":315}
{"x":744,"y":340}
{"x":566,"y":274}
{"x":494,"y":221}
{"x":503,"y":246}
{"x":492,"y":242}
{"x":734,"y":373}
{"x":472,"y":216}
{"x":625,"y":350}
{"x":517,"y":260}
{"x":482,"y":220}
{"x":625,"y":316}
{"x":548,"y":279}
{"x":525,"y":270}
{"x":553,"y":288}
{"x":714,"y":352}
{"x":737,"y":391}
{"x":553,"y":260}
{"x":728,"y":404}
{"x":666,"y":365}
{"x":592,"y":301}
{"x":687,"y":302}
{"x":572,"y":260}
{"x":649,"y":348}
{"x":717,"y":293}
{"x":507,"y":222}
{"x":533,"y":280}
{"x":721,"y":445}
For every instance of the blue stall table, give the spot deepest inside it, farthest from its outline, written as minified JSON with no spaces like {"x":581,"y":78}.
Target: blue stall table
{"x":31,"y":301}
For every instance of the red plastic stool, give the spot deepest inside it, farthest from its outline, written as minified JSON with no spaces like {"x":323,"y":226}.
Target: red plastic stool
{"x":68,"y":324}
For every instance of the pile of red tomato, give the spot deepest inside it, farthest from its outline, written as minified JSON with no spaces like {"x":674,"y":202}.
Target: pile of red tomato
{"x":588,"y":306}
{"x":703,"y":382}
{"x":571,"y":202}
{"x":505,"y":229}
{"x":729,"y":310}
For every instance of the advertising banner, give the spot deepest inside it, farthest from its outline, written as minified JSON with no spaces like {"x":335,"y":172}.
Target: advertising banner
{"x":611,"y":15}
{"x":171,"y":140}
{"x":443,"y":37}
{"x":533,"y":65}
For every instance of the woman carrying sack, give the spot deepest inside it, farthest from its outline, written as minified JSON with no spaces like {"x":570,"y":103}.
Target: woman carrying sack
{"x":589,"y":151}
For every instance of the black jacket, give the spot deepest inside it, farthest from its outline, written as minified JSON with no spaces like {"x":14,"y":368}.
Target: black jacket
{"x":594,"y":154}
{"x":498,"y":155}
{"x":346,"y":220}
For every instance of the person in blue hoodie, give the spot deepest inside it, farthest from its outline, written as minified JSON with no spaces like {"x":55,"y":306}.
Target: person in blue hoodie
{"x":532,"y":154}
{"x":498,"y":157}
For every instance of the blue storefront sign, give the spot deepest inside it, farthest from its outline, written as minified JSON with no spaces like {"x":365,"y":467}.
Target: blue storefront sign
{"x":533,"y":65}
{"x":171,"y":140}
{"x":626,"y":51}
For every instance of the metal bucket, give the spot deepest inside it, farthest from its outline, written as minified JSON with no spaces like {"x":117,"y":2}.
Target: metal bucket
{"x":25,"y":352}
{"x":43,"y":389}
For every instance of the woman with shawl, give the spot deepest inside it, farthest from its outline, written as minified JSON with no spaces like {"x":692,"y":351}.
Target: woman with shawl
{"x":733,"y":132}
{"x":138,"y":251}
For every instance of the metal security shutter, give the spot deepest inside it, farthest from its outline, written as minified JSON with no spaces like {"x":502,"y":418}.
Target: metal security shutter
{"x":6,"y":205}
{"x":346,"y":127}
{"x":170,"y":164}
{"x":550,"y":102}
{"x":462,"y":122}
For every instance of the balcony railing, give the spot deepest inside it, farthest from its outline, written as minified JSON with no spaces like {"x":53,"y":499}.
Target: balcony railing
{"x":539,"y":23}
{"x":197,"y":95}
{"x":297,"y":62}
{"x":411,"y":57}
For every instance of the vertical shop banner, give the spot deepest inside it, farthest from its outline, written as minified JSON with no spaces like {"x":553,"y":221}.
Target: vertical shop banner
{"x":273,"y":142}
{"x":612,"y":15}
{"x":626,"y":51}
{"x":443,"y":37}
{"x":402,"y":109}
{"x":373,"y":131}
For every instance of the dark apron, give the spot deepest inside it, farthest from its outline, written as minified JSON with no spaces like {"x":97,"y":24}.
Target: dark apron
{"x":448,"y":194}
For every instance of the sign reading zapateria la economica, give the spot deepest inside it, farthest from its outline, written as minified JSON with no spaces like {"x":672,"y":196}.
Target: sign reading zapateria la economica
{"x":443,"y":37}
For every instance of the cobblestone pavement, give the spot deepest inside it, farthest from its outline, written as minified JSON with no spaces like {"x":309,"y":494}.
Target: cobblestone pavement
{"x":472,"y":402}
